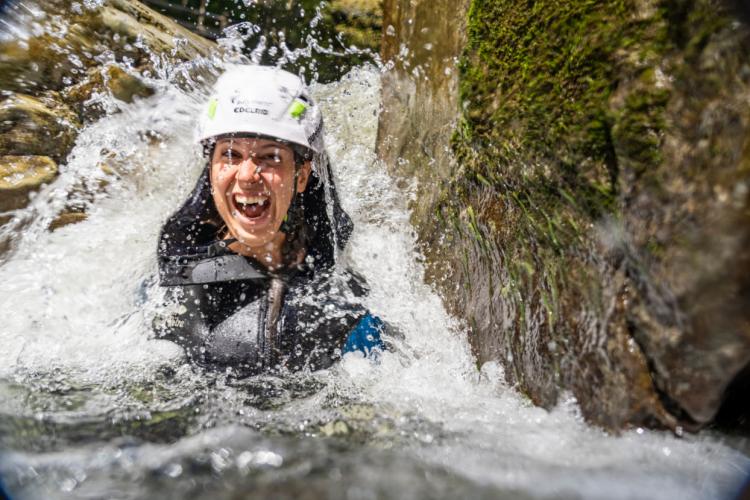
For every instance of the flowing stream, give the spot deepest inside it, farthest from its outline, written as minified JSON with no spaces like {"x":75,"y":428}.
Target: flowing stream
{"x":92,"y":405}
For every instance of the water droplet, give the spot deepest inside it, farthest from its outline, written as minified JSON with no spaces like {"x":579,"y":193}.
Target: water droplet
{"x":173,"y":470}
{"x":68,"y":485}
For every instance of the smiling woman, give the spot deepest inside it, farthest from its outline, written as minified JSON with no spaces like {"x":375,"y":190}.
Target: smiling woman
{"x":255,"y":181}
{"x":249,"y":257}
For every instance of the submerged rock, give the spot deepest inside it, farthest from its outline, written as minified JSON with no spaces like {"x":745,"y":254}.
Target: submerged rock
{"x":593,"y":223}
{"x":66,"y":218}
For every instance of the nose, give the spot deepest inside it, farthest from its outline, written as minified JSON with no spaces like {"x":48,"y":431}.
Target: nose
{"x":249,"y":172}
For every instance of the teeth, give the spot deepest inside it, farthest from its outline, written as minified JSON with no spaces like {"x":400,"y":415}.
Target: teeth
{"x":249,"y":200}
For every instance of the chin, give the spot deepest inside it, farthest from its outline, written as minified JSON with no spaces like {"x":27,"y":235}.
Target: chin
{"x":253,"y":240}
{"x":256,"y":237}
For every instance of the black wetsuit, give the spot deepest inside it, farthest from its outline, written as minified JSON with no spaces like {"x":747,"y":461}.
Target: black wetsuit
{"x":249,"y":320}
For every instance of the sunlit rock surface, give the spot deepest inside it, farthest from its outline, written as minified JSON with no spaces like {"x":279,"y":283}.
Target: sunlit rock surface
{"x":20,"y":175}
{"x":60,"y":61}
{"x":37,"y":125}
{"x":593,"y":228}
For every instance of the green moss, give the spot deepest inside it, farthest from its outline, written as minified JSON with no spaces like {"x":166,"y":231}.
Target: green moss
{"x":548,"y":119}
{"x":564,"y":110}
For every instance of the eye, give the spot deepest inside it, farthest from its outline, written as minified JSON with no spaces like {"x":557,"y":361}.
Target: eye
{"x":231,"y":156}
{"x":271,"y":158}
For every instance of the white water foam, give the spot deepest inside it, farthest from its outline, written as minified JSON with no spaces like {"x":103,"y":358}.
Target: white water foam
{"x":77,"y":294}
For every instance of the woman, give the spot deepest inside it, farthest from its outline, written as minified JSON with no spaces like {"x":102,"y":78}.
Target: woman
{"x":250,"y":255}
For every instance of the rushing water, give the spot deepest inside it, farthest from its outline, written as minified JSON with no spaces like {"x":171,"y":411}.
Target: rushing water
{"x":93,"y":406}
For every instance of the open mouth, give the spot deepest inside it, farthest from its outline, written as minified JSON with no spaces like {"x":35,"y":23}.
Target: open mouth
{"x":252,"y":207}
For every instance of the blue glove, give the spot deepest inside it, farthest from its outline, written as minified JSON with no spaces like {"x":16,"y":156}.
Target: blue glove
{"x":365,"y":337}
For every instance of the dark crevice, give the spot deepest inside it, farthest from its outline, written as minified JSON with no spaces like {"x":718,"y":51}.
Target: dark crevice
{"x":741,"y":8}
{"x":677,"y":13}
{"x":734,"y":413}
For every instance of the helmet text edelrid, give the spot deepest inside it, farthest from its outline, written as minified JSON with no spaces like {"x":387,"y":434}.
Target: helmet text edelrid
{"x":257,"y":111}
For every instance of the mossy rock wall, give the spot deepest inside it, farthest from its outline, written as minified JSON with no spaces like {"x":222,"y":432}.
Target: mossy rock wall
{"x":593,"y":224}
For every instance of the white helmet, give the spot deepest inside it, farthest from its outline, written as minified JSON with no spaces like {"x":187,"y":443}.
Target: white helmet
{"x":262,"y":100}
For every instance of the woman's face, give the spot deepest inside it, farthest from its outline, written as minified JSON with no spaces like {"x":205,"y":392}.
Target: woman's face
{"x":252,"y":182}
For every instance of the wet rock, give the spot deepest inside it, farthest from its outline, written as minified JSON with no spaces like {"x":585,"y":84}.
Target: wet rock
{"x":134,"y":21}
{"x":69,"y":52}
{"x":44,"y":62}
{"x":125,"y":86}
{"x":21,"y":175}
{"x":67,"y":38}
{"x":109,"y":80}
{"x":77,"y":49}
{"x":359,"y":21}
{"x":592,"y":220}
{"x":421,"y":41}
{"x":42,"y":126}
